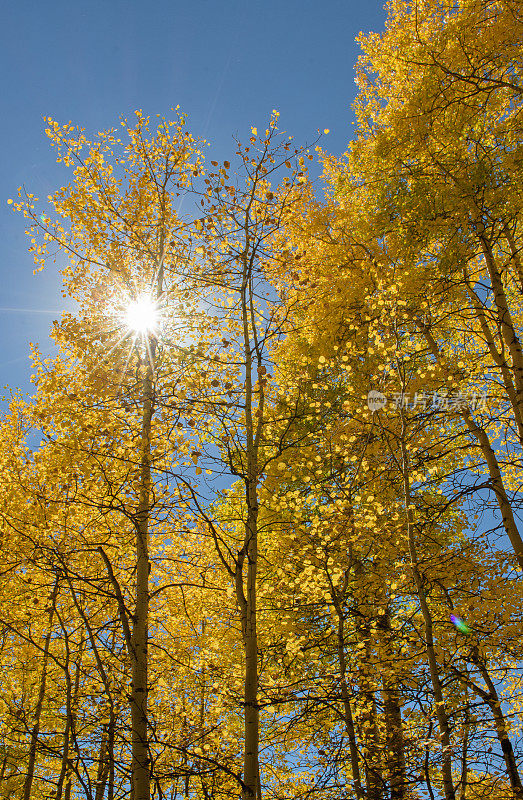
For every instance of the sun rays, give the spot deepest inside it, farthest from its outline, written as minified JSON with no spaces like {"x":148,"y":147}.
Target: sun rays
{"x":142,"y":316}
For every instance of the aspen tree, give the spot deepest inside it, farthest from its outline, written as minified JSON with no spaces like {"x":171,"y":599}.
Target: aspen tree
{"x":237,"y":245}
{"x":438,"y":150}
{"x":125,"y":236}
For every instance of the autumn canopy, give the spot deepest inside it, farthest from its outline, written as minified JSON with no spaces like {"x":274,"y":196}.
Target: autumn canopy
{"x":261,"y":528}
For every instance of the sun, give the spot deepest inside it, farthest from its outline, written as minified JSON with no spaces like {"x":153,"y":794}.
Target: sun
{"x":141,"y":315}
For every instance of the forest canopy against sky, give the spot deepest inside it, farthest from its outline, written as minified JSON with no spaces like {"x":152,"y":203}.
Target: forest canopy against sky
{"x":261,"y":520}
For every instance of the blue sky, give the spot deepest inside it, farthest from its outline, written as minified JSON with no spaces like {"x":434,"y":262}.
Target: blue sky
{"x":227,"y":64}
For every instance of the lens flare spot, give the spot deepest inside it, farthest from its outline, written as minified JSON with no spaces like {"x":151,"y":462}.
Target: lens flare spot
{"x":461,"y":626}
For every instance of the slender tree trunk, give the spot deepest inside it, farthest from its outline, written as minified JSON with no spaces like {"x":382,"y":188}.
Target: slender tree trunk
{"x":464,"y":750}
{"x":65,"y":757}
{"x":393,"y":721}
{"x":507,"y":328}
{"x":250,"y":643}
{"x":101,"y":775}
{"x":110,"y":755}
{"x":515,"y":254}
{"x":426,"y":762}
{"x":441,"y":713}
{"x":108,"y":774}
{"x":139,"y":650}
{"x":492,"y":698}
{"x":39,"y":704}
{"x":394,"y":740}
{"x":369,"y":723}
{"x":67,"y":728}
{"x":246,"y":589}
{"x":247,"y":602}
{"x":200,"y":767}
{"x":139,"y":637}
{"x":496,"y":479}
{"x":72,"y":723}
{"x":497,"y":356}
{"x":347,"y":710}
